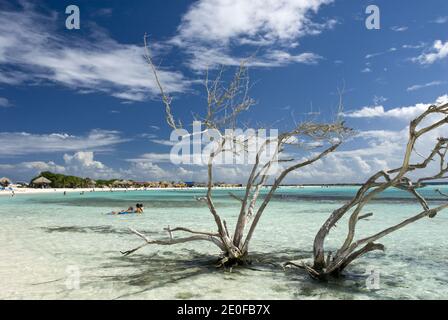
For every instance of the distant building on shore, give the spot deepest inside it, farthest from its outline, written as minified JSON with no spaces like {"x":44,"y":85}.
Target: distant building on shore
{"x":41,"y":182}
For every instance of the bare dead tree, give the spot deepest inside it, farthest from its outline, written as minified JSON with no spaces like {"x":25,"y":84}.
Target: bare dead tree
{"x":326,"y":264}
{"x":223,"y":106}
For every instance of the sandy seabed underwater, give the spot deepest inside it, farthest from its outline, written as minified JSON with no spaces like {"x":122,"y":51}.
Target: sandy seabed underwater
{"x":50,"y":239}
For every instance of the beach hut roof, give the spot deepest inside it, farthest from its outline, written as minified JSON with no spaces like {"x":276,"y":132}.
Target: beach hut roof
{"x":5,"y":180}
{"x":41,"y":180}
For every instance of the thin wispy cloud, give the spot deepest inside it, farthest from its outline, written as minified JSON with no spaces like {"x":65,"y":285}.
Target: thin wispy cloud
{"x":278,"y":57}
{"x":377,"y":54}
{"x":414,"y":46}
{"x":22,"y":143}
{"x":366,"y":70}
{"x":152,"y":157}
{"x":31,"y":45}
{"x":426,"y":85}
{"x":399,"y":28}
{"x":32,"y":168}
{"x":378,"y":100}
{"x":4,"y":103}
{"x":12,"y":77}
{"x":164,"y":142}
{"x":440,"y":20}
{"x":103,"y":12}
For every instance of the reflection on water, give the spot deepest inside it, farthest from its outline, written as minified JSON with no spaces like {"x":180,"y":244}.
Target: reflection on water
{"x":49,"y":233}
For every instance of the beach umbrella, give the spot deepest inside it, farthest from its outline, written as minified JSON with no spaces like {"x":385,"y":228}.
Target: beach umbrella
{"x":5,"y":182}
{"x":41,"y":181}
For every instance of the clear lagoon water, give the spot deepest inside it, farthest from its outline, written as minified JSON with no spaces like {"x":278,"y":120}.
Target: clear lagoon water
{"x":48,"y":238}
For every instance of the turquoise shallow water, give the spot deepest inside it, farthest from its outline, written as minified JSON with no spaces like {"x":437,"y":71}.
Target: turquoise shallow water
{"x":48,"y":239}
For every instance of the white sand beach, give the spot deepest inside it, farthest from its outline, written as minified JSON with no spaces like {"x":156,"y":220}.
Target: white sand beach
{"x":30,"y":191}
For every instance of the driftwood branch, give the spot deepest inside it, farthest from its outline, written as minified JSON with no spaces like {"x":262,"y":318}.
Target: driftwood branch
{"x":352,"y":249}
{"x":211,"y":234}
{"x":172,"y":241}
{"x":234,"y":196}
{"x":225,"y":102}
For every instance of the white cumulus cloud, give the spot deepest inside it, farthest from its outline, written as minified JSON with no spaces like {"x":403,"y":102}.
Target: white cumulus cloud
{"x":402,"y":113}
{"x":211,"y":28}
{"x":439,"y":51}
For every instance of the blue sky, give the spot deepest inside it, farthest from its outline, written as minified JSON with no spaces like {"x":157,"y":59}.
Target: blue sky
{"x":84,"y":102}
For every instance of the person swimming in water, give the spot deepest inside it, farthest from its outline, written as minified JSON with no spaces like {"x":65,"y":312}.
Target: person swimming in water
{"x":129,"y":210}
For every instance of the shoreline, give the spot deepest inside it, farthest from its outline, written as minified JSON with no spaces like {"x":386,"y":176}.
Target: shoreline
{"x":33,"y":191}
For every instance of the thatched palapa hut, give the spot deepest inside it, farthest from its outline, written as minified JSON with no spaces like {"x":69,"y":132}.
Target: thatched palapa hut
{"x":41,"y":181}
{"x":4,"y":182}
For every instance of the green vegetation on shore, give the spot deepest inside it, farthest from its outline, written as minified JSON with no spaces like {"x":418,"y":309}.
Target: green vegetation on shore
{"x":64,"y":181}
{"x":58,"y":180}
